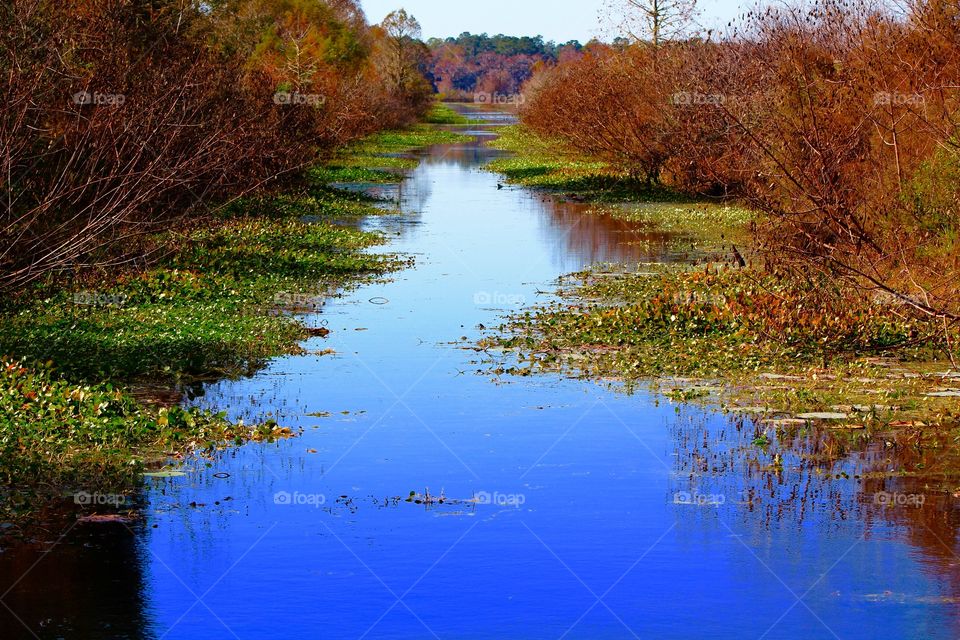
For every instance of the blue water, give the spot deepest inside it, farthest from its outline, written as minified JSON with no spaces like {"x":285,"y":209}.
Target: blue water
{"x":583,"y":527}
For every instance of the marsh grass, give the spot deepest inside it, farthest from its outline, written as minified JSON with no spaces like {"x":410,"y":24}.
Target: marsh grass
{"x":762,"y":341}
{"x":211,"y":309}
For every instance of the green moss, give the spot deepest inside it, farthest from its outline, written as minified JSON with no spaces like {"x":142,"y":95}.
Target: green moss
{"x":344,"y":172}
{"x":547,"y":164}
{"x":551,"y":165}
{"x":704,"y":220}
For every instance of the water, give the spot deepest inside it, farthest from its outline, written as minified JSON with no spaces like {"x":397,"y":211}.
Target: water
{"x":601,"y":514}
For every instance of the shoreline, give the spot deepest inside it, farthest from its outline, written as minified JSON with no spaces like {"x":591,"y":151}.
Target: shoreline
{"x":112,"y":360}
{"x":715,"y":333}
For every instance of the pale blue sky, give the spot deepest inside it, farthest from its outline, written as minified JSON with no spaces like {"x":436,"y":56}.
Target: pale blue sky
{"x":559,"y":20}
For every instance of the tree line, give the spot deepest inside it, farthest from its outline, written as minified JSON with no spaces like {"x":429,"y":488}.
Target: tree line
{"x":477,"y":63}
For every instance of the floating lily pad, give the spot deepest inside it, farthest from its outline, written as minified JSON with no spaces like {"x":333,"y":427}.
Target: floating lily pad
{"x":785,"y":422}
{"x":164,"y":474}
{"x":868,"y":408}
{"x":754,"y":409}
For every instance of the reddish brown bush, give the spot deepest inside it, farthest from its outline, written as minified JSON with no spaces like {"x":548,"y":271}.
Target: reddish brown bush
{"x":609,"y":103}
{"x":837,"y":121}
{"x":121,"y":118}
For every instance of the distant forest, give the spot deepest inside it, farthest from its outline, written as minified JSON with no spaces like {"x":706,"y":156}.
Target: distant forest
{"x":468,"y":64}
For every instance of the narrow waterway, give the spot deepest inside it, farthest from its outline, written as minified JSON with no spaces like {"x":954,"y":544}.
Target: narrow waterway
{"x":572,"y":509}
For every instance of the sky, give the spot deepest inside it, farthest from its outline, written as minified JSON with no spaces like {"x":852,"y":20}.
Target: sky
{"x":558,"y":20}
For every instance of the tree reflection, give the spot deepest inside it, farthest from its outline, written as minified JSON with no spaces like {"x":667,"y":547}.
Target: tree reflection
{"x":86,"y":583}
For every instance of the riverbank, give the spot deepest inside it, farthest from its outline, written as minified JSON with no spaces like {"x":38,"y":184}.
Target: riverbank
{"x":92,"y":376}
{"x":707,"y":226}
{"x":720,"y":328}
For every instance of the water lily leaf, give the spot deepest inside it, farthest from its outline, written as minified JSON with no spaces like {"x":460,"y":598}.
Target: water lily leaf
{"x":164,"y":474}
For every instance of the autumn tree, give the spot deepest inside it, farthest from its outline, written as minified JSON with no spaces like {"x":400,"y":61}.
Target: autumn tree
{"x":402,"y":53}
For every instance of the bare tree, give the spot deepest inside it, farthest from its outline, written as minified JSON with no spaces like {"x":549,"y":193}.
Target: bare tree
{"x":653,"y":21}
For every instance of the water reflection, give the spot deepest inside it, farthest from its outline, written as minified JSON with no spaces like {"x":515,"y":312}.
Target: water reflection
{"x":872,"y":490}
{"x":575,"y":228}
{"x":75,"y":581}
